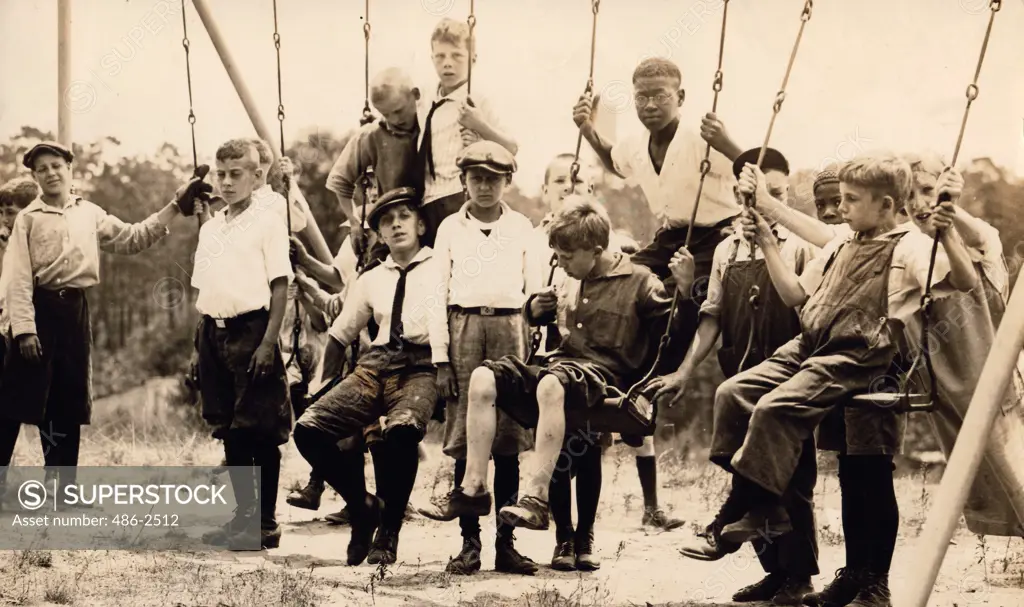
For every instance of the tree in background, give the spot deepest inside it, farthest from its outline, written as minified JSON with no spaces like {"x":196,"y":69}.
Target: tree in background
{"x":144,"y":314}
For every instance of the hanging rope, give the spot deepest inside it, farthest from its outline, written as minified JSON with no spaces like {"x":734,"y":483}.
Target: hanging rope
{"x":471,"y":21}
{"x":780,"y":97}
{"x":705,"y":164}
{"x":926,"y":298}
{"x":574,"y":168}
{"x":297,"y":323}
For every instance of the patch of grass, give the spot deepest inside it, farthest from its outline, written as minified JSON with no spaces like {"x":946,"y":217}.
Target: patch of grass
{"x":60,"y":591}
{"x":34,"y":558}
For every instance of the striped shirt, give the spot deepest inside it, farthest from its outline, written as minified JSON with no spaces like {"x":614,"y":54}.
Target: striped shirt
{"x":446,"y":139}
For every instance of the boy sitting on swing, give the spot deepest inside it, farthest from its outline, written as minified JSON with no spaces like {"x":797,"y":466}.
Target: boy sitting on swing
{"x":608,"y":310}
{"x":862,"y":288}
{"x":754,"y":318}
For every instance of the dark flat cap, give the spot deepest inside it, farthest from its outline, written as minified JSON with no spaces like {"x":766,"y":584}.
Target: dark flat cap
{"x":773,"y":161}
{"x":46,"y":147}
{"x":407,"y":196}
{"x":487,"y":155}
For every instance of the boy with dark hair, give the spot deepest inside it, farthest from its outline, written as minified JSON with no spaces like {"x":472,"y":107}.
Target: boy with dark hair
{"x":51,"y":261}
{"x":665,"y":161}
{"x":827,"y":197}
{"x":607,"y":311}
{"x":863,"y":287}
{"x":753,"y":317}
{"x":395,"y":378}
{"x":449,"y":121}
{"x":487,"y":249}
{"x":242,"y":271}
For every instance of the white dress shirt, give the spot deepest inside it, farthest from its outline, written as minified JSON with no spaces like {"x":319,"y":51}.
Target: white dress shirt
{"x":236,"y":261}
{"x":424,"y":317}
{"x":672,"y":192}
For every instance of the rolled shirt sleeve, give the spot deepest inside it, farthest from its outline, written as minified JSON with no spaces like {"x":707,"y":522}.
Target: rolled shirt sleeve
{"x":18,"y":276}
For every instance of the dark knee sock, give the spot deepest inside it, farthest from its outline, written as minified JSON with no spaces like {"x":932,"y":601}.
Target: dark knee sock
{"x":588,"y":488}
{"x":647,"y":468}
{"x":383,"y":475}
{"x":8,"y":440}
{"x":342,"y":470}
{"x":871,"y":513}
{"x":268,"y":458}
{"x":884,"y":514}
{"x":470,"y":525}
{"x":506,"y":488}
{"x":238,"y":455}
{"x":402,"y":459}
{"x":560,"y":502}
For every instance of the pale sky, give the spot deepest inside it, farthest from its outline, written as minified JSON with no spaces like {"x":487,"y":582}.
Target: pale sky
{"x":870,"y":73}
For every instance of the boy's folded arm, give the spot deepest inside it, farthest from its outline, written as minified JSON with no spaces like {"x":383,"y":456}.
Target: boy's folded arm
{"x":350,"y":165}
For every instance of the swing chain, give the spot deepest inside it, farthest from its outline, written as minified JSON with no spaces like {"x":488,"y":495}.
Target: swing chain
{"x":972,"y":88}
{"x":280,"y":98}
{"x":188,"y":73}
{"x":574,"y":168}
{"x":805,"y":16}
{"x":367,"y":117}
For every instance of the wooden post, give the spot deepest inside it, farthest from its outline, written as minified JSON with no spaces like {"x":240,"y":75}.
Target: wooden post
{"x":63,"y":71}
{"x":312,"y":231}
{"x":967,"y":454}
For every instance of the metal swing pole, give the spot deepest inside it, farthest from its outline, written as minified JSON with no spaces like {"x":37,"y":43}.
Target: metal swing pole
{"x":63,"y":72}
{"x":312,"y":230}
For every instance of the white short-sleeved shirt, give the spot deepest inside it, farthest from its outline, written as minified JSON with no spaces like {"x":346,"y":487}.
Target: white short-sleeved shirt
{"x":265,"y":197}
{"x":908,"y":274}
{"x":372,"y":296}
{"x":236,"y":261}
{"x":796,"y":252}
{"x":446,"y":138}
{"x":672,"y":192}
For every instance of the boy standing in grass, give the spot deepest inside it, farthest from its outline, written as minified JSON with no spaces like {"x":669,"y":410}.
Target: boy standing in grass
{"x":486,"y":248}
{"x":242,"y":271}
{"x":51,"y":261}
{"x":449,"y":121}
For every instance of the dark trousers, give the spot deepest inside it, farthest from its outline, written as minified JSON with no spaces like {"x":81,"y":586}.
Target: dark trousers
{"x":657,"y":256}
{"x":506,"y":493}
{"x":58,"y":387}
{"x":60,"y":444}
{"x":586,"y":467}
{"x":344,"y":469}
{"x":245,"y":453}
{"x":795,"y":553}
{"x":871,"y":515}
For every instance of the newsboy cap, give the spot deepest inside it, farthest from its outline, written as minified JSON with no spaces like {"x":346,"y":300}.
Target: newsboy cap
{"x":407,"y":196}
{"x":46,"y":147}
{"x":487,"y":155}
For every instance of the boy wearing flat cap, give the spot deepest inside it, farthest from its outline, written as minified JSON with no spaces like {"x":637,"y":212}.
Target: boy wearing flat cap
{"x":486,"y":251}
{"x":51,"y":261}
{"x":395,"y":378}
{"x":751,"y":331}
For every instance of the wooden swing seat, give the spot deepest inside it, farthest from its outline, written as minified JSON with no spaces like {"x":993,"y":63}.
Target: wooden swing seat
{"x":901,"y":402}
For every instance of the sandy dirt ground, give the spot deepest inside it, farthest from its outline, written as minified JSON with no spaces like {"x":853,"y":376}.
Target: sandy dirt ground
{"x":639,"y":566}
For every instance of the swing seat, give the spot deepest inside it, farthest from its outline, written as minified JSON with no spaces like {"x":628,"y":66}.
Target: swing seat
{"x":623,"y":413}
{"x":901,"y":402}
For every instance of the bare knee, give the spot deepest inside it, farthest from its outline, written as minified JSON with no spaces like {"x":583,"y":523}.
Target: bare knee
{"x":550,"y":392}
{"x":483,"y":388}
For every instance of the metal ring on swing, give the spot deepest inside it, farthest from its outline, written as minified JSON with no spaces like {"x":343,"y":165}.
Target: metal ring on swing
{"x":972,"y":92}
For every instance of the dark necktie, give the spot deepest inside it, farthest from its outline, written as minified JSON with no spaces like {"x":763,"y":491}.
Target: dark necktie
{"x":397,"y":330}
{"x":427,"y":148}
